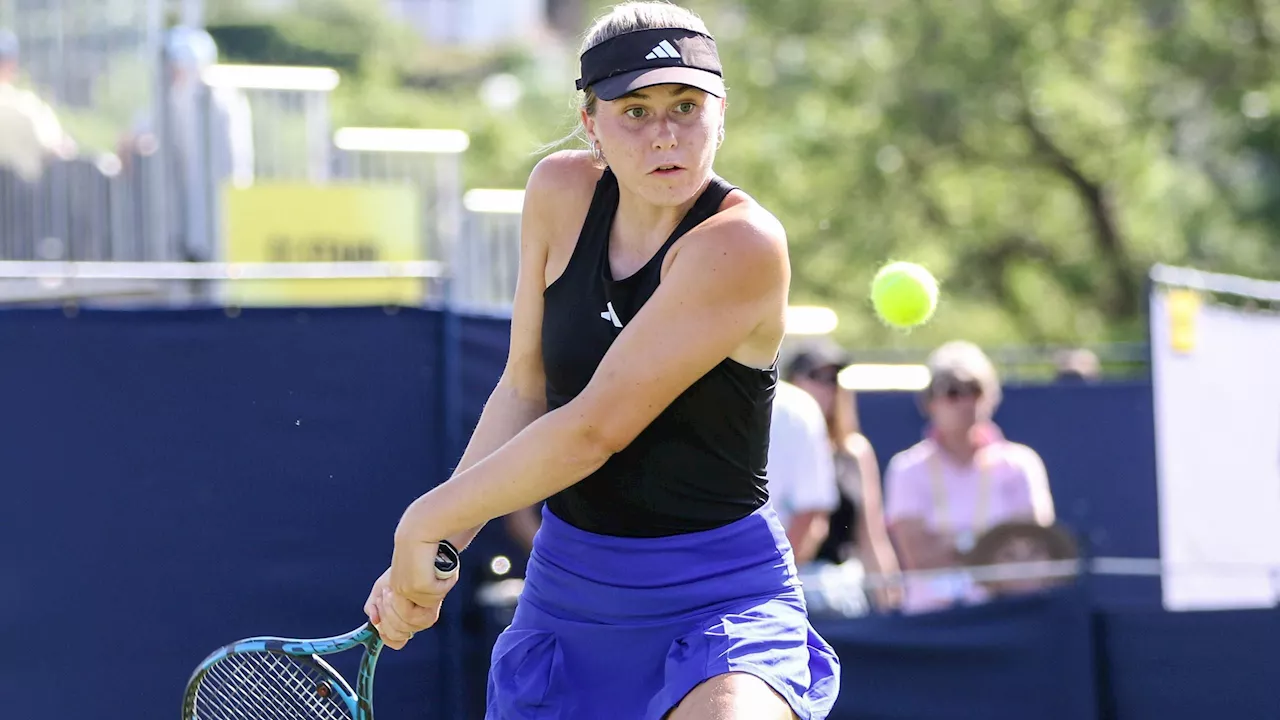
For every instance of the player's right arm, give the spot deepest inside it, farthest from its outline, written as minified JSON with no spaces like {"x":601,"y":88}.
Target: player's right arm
{"x":520,"y":397}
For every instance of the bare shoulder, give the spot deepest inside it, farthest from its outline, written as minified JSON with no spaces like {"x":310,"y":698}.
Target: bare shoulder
{"x":746,"y":235}
{"x":562,"y":176}
{"x":557,"y":198}
{"x":747,"y":216}
{"x":738,"y":259}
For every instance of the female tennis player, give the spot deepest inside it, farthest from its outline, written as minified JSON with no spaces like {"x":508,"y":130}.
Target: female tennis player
{"x":636,"y":400}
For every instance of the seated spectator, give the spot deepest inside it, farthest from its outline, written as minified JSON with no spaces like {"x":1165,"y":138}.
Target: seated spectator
{"x":963,"y":478}
{"x":857,"y":526}
{"x":801,"y":472}
{"x":29,"y":129}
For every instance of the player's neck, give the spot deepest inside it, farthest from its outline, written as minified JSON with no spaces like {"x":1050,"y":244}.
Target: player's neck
{"x":641,"y":227}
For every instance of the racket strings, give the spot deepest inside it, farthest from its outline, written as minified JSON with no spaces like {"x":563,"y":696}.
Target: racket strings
{"x":266,"y":686}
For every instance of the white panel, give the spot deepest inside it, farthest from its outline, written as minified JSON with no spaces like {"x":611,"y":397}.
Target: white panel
{"x":1216,"y":377}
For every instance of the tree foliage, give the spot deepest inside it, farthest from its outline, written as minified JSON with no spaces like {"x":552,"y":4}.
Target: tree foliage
{"x":1038,"y":155}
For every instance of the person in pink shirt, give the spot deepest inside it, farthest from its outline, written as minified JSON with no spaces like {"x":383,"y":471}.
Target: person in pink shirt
{"x":962,"y":479}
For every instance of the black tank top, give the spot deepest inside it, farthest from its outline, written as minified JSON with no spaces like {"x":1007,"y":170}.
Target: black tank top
{"x":701,"y":463}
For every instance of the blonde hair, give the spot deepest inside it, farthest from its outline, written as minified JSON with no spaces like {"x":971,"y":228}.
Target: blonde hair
{"x":621,"y":19}
{"x":965,"y":359}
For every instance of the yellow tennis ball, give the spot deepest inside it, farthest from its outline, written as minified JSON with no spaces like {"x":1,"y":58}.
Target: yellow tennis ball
{"x":904,"y":294}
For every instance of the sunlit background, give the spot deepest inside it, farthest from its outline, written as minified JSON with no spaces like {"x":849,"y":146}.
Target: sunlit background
{"x":257,"y":259}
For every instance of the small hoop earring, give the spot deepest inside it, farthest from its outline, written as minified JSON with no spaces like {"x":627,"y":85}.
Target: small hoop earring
{"x":720,"y":141}
{"x":597,"y":153}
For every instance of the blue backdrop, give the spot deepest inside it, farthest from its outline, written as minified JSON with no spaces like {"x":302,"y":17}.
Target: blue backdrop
{"x":179,"y":479}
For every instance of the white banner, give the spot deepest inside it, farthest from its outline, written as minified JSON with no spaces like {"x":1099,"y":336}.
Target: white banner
{"x":1216,"y":377}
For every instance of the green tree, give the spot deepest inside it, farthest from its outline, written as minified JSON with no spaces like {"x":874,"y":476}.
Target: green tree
{"x":1038,"y":155}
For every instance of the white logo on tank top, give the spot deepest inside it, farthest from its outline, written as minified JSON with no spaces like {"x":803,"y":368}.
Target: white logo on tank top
{"x":609,"y":314}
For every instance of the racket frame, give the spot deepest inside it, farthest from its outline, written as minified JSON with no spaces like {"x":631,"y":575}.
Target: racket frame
{"x":359,"y":701}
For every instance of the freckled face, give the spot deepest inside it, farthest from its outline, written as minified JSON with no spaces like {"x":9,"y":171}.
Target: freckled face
{"x":659,"y":141}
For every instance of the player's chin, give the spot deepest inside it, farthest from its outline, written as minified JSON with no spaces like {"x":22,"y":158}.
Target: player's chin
{"x":673,"y":189}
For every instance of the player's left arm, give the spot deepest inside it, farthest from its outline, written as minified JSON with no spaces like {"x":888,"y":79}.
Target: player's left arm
{"x":725,"y":290}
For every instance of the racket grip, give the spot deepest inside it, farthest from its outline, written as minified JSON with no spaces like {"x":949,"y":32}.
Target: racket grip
{"x":448,"y":560}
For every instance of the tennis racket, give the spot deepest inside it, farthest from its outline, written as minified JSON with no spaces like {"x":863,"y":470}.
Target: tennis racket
{"x":272,"y":678}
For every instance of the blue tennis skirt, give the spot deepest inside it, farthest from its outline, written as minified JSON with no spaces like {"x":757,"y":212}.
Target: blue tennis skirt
{"x":613,"y":628}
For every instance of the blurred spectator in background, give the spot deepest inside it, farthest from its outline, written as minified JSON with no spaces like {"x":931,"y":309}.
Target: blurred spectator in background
{"x":29,"y":129}
{"x":208,"y":132}
{"x":857,"y":526}
{"x":961,"y":480}
{"x":1077,"y":365}
{"x":802,"y":475}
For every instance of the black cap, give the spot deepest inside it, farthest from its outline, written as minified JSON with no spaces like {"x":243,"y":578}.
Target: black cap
{"x":644,"y":58}
{"x":816,"y":355}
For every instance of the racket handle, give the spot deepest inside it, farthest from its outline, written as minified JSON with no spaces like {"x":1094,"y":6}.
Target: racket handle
{"x":448,"y":560}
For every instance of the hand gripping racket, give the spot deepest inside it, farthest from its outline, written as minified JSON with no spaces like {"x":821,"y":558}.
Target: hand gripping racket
{"x":271,"y":678}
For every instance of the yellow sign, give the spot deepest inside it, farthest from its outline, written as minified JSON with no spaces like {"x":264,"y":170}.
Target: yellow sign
{"x":322,"y":223}
{"x":1184,"y":309}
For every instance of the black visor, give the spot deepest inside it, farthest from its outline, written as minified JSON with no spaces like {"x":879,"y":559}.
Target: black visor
{"x":645,"y":58}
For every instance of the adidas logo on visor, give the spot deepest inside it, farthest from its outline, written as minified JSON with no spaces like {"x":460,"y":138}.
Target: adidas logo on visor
{"x":663,"y":50}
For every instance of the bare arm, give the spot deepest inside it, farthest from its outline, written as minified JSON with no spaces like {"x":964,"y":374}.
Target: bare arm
{"x":805,"y":532}
{"x":920,"y":548}
{"x":873,"y":535}
{"x":504,"y":416}
{"x":519,"y":399}
{"x":718,"y":293}
{"x":520,"y":395}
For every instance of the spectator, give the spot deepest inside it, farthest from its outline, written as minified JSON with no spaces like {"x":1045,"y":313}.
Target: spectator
{"x":209,"y":138}
{"x":1078,"y":365}
{"x":802,"y":477}
{"x":961,"y":480}
{"x":857,"y":526}
{"x":29,"y":129}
